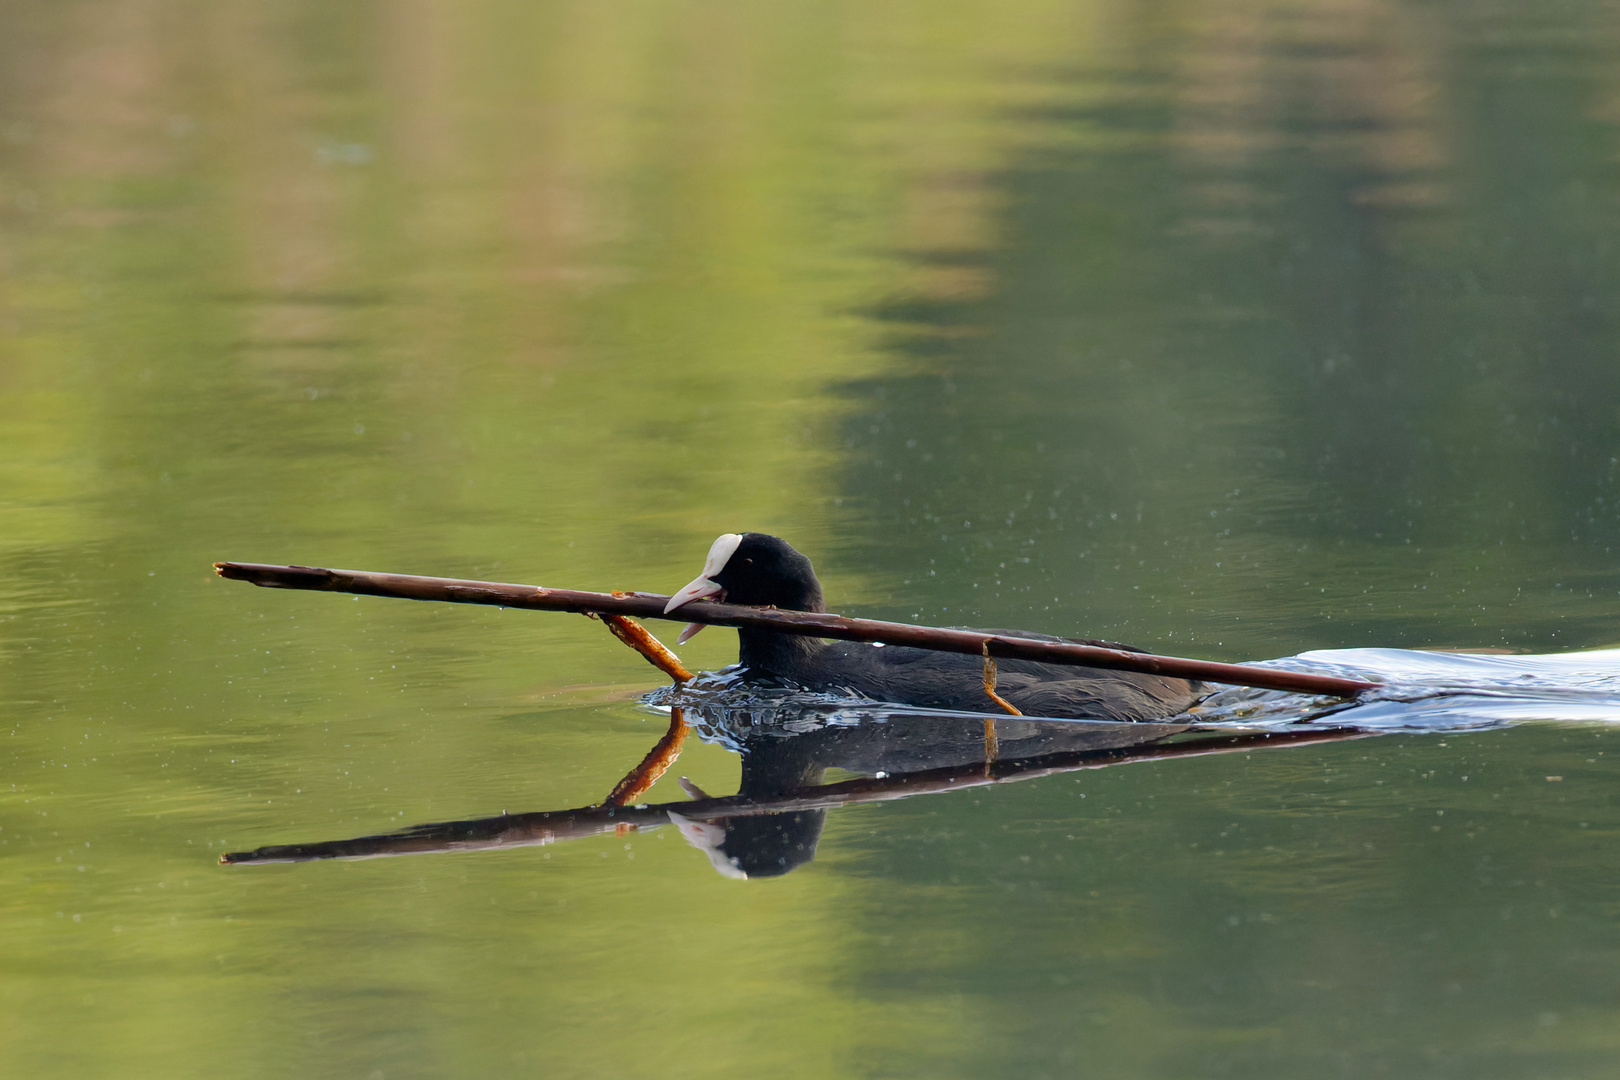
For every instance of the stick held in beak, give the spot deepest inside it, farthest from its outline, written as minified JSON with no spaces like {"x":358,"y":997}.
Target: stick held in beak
{"x":720,"y":553}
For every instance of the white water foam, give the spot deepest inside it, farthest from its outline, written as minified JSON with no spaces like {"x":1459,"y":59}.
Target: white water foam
{"x":1434,"y":691}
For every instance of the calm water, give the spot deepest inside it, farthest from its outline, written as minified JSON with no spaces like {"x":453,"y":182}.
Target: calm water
{"x":1241,"y":331}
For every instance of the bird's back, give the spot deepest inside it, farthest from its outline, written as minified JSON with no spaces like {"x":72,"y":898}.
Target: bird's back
{"x":941,"y":680}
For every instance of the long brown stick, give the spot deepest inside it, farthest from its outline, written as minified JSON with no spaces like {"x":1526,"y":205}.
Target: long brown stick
{"x":810,"y":624}
{"x":636,"y":636}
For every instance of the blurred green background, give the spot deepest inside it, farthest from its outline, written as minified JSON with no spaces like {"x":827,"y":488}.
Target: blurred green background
{"x":1231,"y":329}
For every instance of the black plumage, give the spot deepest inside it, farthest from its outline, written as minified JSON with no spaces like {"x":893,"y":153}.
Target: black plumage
{"x":766,"y":570}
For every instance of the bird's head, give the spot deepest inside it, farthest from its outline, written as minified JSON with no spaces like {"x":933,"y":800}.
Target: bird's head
{"x":752,"y":568}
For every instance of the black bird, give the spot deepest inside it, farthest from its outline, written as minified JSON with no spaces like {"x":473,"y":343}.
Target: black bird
{"x":754,"y":568}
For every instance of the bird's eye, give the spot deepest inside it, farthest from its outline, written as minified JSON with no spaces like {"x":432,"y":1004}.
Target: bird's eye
{"x":750,"y":562}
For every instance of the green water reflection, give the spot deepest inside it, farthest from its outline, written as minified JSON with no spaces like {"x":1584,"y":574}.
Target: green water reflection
{"x":1234,"y":330}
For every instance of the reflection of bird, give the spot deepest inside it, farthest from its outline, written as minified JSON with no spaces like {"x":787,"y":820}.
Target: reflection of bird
{"x":763,"y":845}
{"x":753,"y":568}
{"x":791,"y":750}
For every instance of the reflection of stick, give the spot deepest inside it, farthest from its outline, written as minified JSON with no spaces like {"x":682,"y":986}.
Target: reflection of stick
{"x":662,"y":755}
{"x":807,"y":623}
{"x":550,"y":826}
{"x":657,"y":761}
{"x":636,"y":636}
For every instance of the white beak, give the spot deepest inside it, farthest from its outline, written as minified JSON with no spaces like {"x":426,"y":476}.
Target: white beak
{"x":696,"y":589}
{"x":689,"y":632}
{"x":720,"y":553}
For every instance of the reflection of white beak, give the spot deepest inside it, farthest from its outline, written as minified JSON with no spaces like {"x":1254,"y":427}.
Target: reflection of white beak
{"x":710,"y":839}
{"x":720,"y":553}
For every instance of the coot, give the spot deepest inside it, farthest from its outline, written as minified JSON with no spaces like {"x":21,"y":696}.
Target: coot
{"x":755,"y":568}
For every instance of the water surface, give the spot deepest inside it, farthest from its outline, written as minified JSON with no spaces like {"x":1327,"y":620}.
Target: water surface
{"x":1269,"y":330}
